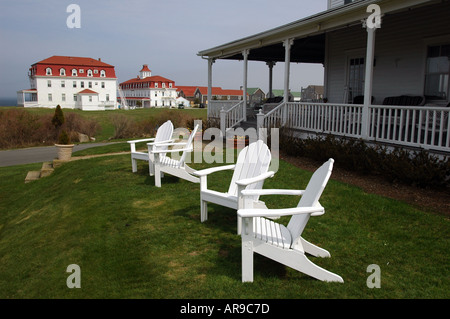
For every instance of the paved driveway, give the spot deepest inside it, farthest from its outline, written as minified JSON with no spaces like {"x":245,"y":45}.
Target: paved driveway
{"x":36,"y":154}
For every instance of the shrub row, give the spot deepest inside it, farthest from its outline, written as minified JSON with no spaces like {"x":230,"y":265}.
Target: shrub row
{"x":20,"y":128}
{"x":397,"y":165}
{"x":125,"y":127}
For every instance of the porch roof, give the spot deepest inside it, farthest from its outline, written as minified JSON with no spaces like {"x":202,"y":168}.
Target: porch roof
{"x":308,"y":33}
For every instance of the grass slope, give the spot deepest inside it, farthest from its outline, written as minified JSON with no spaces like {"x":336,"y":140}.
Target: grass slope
{"x":133,"y":240}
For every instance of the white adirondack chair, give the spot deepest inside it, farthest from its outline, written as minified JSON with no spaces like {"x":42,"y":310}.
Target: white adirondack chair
{"x":250,"y":171}
{"x":178,"y":168}
{"x":285,"y":244}
{"x":163,"y":135}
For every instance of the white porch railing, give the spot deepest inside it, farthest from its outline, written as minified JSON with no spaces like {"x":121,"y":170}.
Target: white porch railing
{"x":423,"y":126}
{"x":231,"y":116}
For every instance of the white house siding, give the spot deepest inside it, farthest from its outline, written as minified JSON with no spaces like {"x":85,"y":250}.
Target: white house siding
{"x":57,"y":91}
{"x":400,"y":52}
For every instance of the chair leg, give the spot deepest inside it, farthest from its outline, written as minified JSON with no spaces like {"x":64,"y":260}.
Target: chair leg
{"x":313,"y":249}
{"x":301,"y":263}
{"x":203,"y":210}
{"x":151,"y":168}
{"x":247,"y":261}
{"x":133,"y":165}
{"x":157,"y":176}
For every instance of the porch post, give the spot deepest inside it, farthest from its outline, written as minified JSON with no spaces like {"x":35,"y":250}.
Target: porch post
{"x":210,"y":64}
{"x":270,"y":64}
{"x":368,"y":82}
{"x":287,"y":67}
{"x":245,"y":53}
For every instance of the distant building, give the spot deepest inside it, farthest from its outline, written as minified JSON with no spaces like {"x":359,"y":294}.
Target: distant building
{"x":149,"y":91}
{"x":71,"y":82}
{"x":312,"y":93}
{"x":199,"y":94}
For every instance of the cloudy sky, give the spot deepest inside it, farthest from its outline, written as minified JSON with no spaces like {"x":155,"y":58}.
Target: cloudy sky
{"x":166,"y":35}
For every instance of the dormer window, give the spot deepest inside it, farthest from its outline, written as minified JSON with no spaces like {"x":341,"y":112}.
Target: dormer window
{"x":48,"y":71}
{"x":89,"y":72}
{"x":102,"y":73}
{"x":62,"y":72}
{"x":74,"y":72}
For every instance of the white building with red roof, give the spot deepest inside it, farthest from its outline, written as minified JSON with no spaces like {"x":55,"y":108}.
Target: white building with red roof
{"x":149,"y":91}
{"x":71,"y":82}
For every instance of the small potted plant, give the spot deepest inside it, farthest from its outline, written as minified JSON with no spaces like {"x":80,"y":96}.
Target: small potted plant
{"x":64,"y":145}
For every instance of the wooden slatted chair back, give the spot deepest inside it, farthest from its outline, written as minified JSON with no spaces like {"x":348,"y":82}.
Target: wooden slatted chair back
{"x":188,"y":145}
{"x":311,"y":197}
{"x":252,"y":161}
{"x":164,"y":134}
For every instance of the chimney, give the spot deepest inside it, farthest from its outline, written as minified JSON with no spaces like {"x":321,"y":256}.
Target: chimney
{"x":100,"y":59}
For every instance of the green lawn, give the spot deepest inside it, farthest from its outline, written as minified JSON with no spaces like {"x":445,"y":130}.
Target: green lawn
{"x":133,"y":240}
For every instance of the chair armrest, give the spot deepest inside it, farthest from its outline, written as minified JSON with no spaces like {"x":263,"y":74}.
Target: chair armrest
{"x":162,"y":143}
{"x":173,"y":151}
{"x":261,"y":192}
{"x":208,"y":171}
{"x":143,"y":140}
{"x":171,"y":144}
{"x":314,"y":211}
{"x":248,"y":181}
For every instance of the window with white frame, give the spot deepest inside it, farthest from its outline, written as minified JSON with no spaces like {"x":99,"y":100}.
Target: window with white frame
{"x":437,"y":72}
{"x":89,"y":72}
{"x":48,"y":71}
{"x":50,"y":97}
{"x":74,"y":84}
{"x":102,"y":73}
{"x":63,"y":84}
{"x":63,"y":97}
{"x":74,"y":72}
{"x":49,"y":83}
{"x":355,"y":82}
{"x":62,"y":72}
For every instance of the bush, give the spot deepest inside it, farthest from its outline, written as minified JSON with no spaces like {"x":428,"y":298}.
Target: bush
{"x":397,"y":165}
{"x":20,"y":128}
{"x":64,"y":138}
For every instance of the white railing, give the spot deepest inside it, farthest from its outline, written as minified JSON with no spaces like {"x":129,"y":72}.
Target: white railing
{"x":422,"y":126}
{"x":231,"y":117}
{"x":215,"y":106}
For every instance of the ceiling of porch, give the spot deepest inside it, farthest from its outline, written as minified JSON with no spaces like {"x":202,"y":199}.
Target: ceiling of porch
{"x":306,"y":50}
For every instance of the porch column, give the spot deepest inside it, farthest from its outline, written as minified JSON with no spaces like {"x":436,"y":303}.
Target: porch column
{"x":287,"y":69}
{"x":210,"y":64}
{"x":245,"y":53}
{"x":368,"y":82}
{"x":270,"y":64}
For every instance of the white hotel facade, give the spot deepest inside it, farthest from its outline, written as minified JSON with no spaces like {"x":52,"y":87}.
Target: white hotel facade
{"x":149,"y":91}
{"x":71,"y":82}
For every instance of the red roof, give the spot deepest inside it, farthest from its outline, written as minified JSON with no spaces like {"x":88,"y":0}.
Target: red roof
{"x":76,"y":61}
{"x":145,"y":68}
{"x":81,"y":65}
{"x":87,"y":91}
{"x":219,"y":91}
